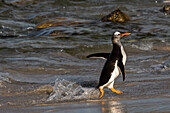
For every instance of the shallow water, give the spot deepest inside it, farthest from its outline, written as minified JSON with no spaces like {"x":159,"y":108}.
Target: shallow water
{"x":46,"y":70}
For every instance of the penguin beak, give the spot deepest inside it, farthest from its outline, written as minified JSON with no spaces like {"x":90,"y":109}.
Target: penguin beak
{"x":125,"y":34}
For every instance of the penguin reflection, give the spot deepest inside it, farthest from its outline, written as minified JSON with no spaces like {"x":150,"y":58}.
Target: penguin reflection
{"x":112,"y":107}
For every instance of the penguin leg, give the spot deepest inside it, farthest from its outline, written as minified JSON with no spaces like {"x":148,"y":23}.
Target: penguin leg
{"x":116,"y":91}
{"x":101,"y":92}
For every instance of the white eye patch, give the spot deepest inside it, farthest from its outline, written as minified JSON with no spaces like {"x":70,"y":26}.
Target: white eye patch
{"x":117,"y":33}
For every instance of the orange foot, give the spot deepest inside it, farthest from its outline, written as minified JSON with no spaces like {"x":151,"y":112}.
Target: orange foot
{"x":102,"y":92}
{"x":116,"y":91}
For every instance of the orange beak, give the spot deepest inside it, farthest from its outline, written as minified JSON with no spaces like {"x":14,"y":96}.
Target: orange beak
{"x":125,"y":34}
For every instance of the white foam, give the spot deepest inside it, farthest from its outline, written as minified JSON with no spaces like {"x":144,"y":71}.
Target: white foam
{"x":166,"y":1}
{"x":4,"y":78}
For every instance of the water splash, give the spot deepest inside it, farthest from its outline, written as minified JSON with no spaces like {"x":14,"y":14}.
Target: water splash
{"x":67,"y":90}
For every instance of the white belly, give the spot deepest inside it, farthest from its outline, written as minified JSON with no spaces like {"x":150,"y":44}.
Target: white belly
{"x":114,"y":75}
{"x":124,"y":55}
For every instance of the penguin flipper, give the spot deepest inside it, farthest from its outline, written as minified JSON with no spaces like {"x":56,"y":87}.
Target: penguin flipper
{"x":122,"y":68}
{"x":99,"y":55}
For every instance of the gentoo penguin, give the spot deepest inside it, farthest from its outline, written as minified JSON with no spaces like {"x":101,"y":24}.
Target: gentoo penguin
{"x":115,"y":62}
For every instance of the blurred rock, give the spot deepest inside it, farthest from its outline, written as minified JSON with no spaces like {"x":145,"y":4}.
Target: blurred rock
{"x":116,"y":16}
{"x":166,"y":9}
{"x":59,"y":26}
{"x":60,"y":22}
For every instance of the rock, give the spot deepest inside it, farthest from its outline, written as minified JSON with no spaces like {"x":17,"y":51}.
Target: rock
{"x":60,"y":22}
{"x":59,"y":26}
{"x":166,"y":9}
{"x":116,"y":16}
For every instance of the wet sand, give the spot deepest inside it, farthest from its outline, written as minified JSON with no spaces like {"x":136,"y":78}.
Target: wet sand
{"x":153,"y":104}
{"x":139,"y":96}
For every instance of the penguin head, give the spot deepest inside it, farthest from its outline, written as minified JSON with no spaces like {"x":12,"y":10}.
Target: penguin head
{"x":117,"y":35}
